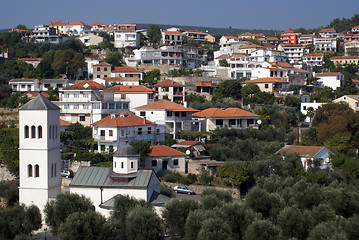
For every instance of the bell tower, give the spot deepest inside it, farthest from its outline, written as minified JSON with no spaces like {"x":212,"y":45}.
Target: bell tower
{"x":39,"y":152}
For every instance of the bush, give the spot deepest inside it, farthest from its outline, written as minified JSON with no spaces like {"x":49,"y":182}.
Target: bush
{"x":167,"y":191}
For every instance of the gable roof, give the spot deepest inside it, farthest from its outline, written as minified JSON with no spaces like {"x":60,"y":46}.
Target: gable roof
{"x":281,"y":64}
{"x":344,"y":57}
{"x":103,"y":64}
{"x":164,"y":151}
{"x":231,"y":37}
{"x":327,"y":74}
{"x":166,"y":105}
{"x":121,"y":79}
{"x":45,"y":94}
{"x":288,"y":31}
{"x":64,"y":123}
{"x":110,"y":28}
{"x":86,"y":85}
{"x":98,"y":24}
{"x":39,"y":103}
{"x":250,"y":46}
{"x":23,"y":80}
{"x":125,"y":69}
{"x":124,"y":119}
{"x":224,"y":56}
{"x":315,"y":55}
{"x":172,"y":32}
{"x":79,"y":23}
{"x":355,"y":81}
{"x":303,"y":151}
{"x":298,"y":70}
{"x":324,"y":30}
{"x":220,"y":112}
{"x":58,"y":23}
{"x":131,"y":89}
{"x":168,"y":82}
{"x":267,"y":80}
{"x":186,"y":144}
{"x":272,"y":39}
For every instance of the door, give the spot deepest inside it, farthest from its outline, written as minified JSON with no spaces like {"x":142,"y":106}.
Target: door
{"x":164,"y":164}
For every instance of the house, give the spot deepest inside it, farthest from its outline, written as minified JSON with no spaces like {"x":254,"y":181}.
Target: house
{"x":270,"y":84}
{"x":115,"y":130}
{"x":308,"y":154}
{"x":248,"y":49}
{"x":289,"y":37}
{"x":306,"y":39}
{"x":126,"y":36}
{"x":356,"y":82}
{"x":110,"y":30}
{"x":102,"y":70}
{"x":162,"y":158}
{"x":64,"y":125}
{"x":78,"y":28}
{"x":328,"y":33}
{"x":175,"y":117}
{"x":213,"y":118}
{"x":206,"y":87}
{"x":333,"y":80}
{"x":304,"y":106}
{"x":262,"y":55}
{"x":90,"y":39}
{"x":97,"y":26}
{"x":60,"y":26}
{"x":195,"y":147}
{"x":355,"y":29}
{"x":271,"y":40}
{"x":351,"y":48}
{"x":135,"y":95}
{"x":325,"y":44}
{"x":59,"y":84}
{"x":103,"y":184}
{"x":111,"y":81}
{"x":313,"y":59}
{"x":171,"y":38}
{"x":226,"y":41}
{"x":171,"y":90}
{"x":44,"y":33}
{"x":198,"y":36}
{"x":351,"y":37}
{"x":127,"y":72}
{"x":25,"y":85}
{"x":298,"y":77}
{"x":351,"y":100}
{"x":33,"y":61}
{"x":32,"y":95}
{"x":84,"y":102}
{"x":294,"y":52}
{"x":269,"y":72}
{"x":345,"y":60}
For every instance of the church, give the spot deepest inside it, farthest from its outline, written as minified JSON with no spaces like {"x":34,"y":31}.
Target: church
{"x":40,"y":165}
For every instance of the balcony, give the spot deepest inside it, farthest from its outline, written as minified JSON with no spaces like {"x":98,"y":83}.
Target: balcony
{"x":178,"y":93}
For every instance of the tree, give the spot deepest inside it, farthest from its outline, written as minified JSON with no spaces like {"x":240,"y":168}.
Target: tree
{"x":10,"y":192}
{"x":114,"y":58}
{"x":262,"y":229}
{"x":64,"y":205}
{"x":154,"y":35}
{"x":229,"y":88}
{"x":9,"y":145}
{"x":236,"y":174}
{"x":211,"y":230}
{"x":143,"y":148}
{"x":152,"y":77}
{"x":223,"y":63}
{"x":85,"y":225}
{"x":292,"y":101}
{"x":21,"y":26}
{"x":143,"y":223}
{"x":328,"y":230}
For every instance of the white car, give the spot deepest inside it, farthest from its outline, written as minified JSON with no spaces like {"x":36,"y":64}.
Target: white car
{"x":66,"y":173}
{"x":182,"y":189}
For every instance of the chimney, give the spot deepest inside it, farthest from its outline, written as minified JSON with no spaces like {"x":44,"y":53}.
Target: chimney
{"x":185,"y":104}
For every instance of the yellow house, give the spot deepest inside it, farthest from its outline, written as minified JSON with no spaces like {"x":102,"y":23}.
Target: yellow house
{"x":351,"y":100}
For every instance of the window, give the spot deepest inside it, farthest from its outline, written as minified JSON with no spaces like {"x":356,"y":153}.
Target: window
{"x":56,"y":131}
{"x":52,"y":170}
{"x":26,"y":131}
{"x":164,"y":89}
{"x":55,"y":169}
{"x":175,"y":162}
{"x":50,"y":132}
{"x":154,"y":163}
{"x":37,"y":171}
{"x":105,"y":68}
{"x":103,"y":148}
{"x":266,"y":85}
{"x":142,"y":114}
{"x":250,"y":121}
{"x":76,"y":95}
{"x":125,"y":105}
{"x":149,"y":130}
{"x":231,"y":122}
{"x":184,"y":114}
{"x":29,"y":170}
{"x":219,"y":122}
{"x":131,"y":164}
{"x":82,"y":118}
{"x":169,"y":114}
{"x":123,"y":96}
{"x":111,"y":106}
{"x":102,"y":133}
{"x":122,"y":132}
{"x":177,"y":114}
{"x":39,"y":132}
{"x":118,"y":105}
{"x":76,"y":106}
{"x":33,"y":132}
{"x":96,"y":105}
{"x":121,"y":164}
{"x":98,"y":69}
{"x":139,"y":131}
{"x":110,"y":133}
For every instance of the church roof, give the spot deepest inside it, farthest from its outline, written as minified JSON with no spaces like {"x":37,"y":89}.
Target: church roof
{"x":39,"y":103}
{"x":126,"y":150}
{"x":105,"y":177}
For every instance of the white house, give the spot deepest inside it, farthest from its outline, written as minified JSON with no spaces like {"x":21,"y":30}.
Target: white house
{"x":173,"y":116}
{"x":126,"y":39}
{"x":308,"y":153}
{"x":173,"y":91}
{"x":54,"y":83}
{"x":294,"y":52}
{"x":60,"y":26}
{"x":39,"y":152}
{"x":325,"y":44}
{"x":333,"y":80}
{"x":313,"y":59}
{"x":163,"y":158}
{"x":97,"y":26}
{"x":270,"y":72}
{"x":304,"y":106}
{"x":226,"y":41}
{"x":25,"y":85}
{"x":90,"y":39}
{"x":172,"y":38}
{"x":212,"y":118}
{"x":78,"y":28}
{"x":118,"y":128}
{"x":271,"y":84}
{"x":135,"y":95}
{"x":111,"y":81}
{"x":126,"y":72}
{"x":103,"y":184}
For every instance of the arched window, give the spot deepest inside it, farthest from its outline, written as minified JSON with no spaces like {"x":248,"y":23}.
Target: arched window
{"x":50,"y":132}
{"x":33,"y":132}
{"x":53,"y":132}
{"x":37,"y":171}
{"x":26,"y":131}
{"x":56,"y":131}
{"x":55,"y":170}
{"x":52,"y":170}
{"x":121,"y":164}
{"x":39,"y":131}
{"x":131,"y":164}
{"x":29,"y":170}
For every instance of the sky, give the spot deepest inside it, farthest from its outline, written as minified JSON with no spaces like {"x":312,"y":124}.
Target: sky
{"x":243,"y":14}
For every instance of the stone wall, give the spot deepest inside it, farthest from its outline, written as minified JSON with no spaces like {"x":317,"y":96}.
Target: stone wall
{"x":9,"y":114}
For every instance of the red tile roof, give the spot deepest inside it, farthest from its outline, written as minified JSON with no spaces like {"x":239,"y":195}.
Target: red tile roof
{"x":64,"y":123}
{"x":206,"y":84}
{"x":275,"y":69}
{"x":168,"y":82}
{"x":58,"y":23}
{"x":30,"y":59}
{"x":188,"y":143}
{"x":288,"y":31}
{"x":126,"y":69}
{"x":344,"y":57}
{"x":304,"y":151}
{"x":324,"y":30}
{"x":292,"y":45}
{"x":45,"y":94}
{"x":130,"y":89}
{"x":272,"y":38}
{"x":79,"y":23}
{"x":224,"y":56}
{"x":103,"y":64}
{"x":86,"y":85}
{"x":124,"y":119}
{"x":298,"y":70}
{"x":267,"y":80}
{"x":230,"y":37}
{"x":17,"y":30}
{"x":356,"y":27}
{"x":327,"y":74}
{"x":247,"y":34}
{"x":355,"y":81}
{"x":315,"y":55}
{"x":98,"y":24}
{"x":250,"y":46}
{"x":219,"y":112}
{"x":281,"y":64}
{"x":121,"y":79}
{"x":166,"y":105}
{"x":194,"y":31}
{"x":110,"y":28}
{"x":172,"y":32}
{"x":163,"y":151}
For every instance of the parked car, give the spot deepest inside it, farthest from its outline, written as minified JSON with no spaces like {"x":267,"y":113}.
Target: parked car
{"x":66,"y":173}
{"x":182,"y":189}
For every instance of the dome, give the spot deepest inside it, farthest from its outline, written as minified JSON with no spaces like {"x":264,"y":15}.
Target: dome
{"x":126,"y":150}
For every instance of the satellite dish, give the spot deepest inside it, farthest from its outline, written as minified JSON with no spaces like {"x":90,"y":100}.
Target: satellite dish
{"x":188,"y":152}
{"x":259,"y":121}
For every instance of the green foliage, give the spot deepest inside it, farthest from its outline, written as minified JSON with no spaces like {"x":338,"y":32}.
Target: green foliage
{"x":143,"y":148}
{"x":176,"y":177}
{"x":10,"y":192}
{"x":154,"y":35}
{"x":57,"y":211}
{"x":235,"y":174}
{"x":114,"y":58}
{"x":292,"y":101}
{"x":152,"y":77}
{"x":328,"y":230}
{"x":182,"y":71}
{"x":211,"y":230}
{"x":229,"y":88}
{"x":252,"y":94}
{"x":143,"y":223}
{"x":262,"y":229}
{"x":322,"y":95}
{"x":223,"y":63}
{"x":9,"y":149}
{"x":19,"y":221}
{"x":344,"y":24}
{"x":167,"y":191}
{"x":199,"y":102}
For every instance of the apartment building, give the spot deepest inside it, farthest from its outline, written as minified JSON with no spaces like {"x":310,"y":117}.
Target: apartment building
{"x":325,"y":44}
{"x":171,"y":38}
{"x":289,"y":37}
{"x":294,"y":52}
{"x":170,"y":90}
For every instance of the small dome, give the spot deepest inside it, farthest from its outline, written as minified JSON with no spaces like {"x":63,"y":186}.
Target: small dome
{"x":125,"y":151}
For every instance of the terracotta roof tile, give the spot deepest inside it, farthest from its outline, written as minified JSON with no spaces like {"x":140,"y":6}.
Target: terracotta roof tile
{"x":272,"y":38}
{"x":162,"y":151}
{"x":219,"y":112}
{"x":250,"y":46}
{"x":86,"y":85}
{"x":247,"y":34}
{"x":315,"y":55}
{"x":79,"y":23}
{"x":298,"y":70}
{"x":58,"y":23}
{"x":121,"y":79}
{"x":267,"y":80}
{"x":98,"y":24}
{"x":324,"y":30}
{"x":166,"y":105}
{"x":172,"y":32}
{"x":64,"y":123}
{"x":188,"y":143}
{"x":126,"y":69}
{"x":130,"y":89}
{"x":288,"y":31}
{"x":45,"y":94}
{"x":327,"y":74}
{"x":168,"y":82}
{"x":224,"y":56}
{"x":206,"y":84}
{"x":304,"y":151}
{"x":355,"y":81}
{"x":124,"y":119}
{"x":281,"y":64}
{"x":231,"y":37}
{"x":344,"y":57}
{"x":103,"y":64}
{"x":110,"y":28}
